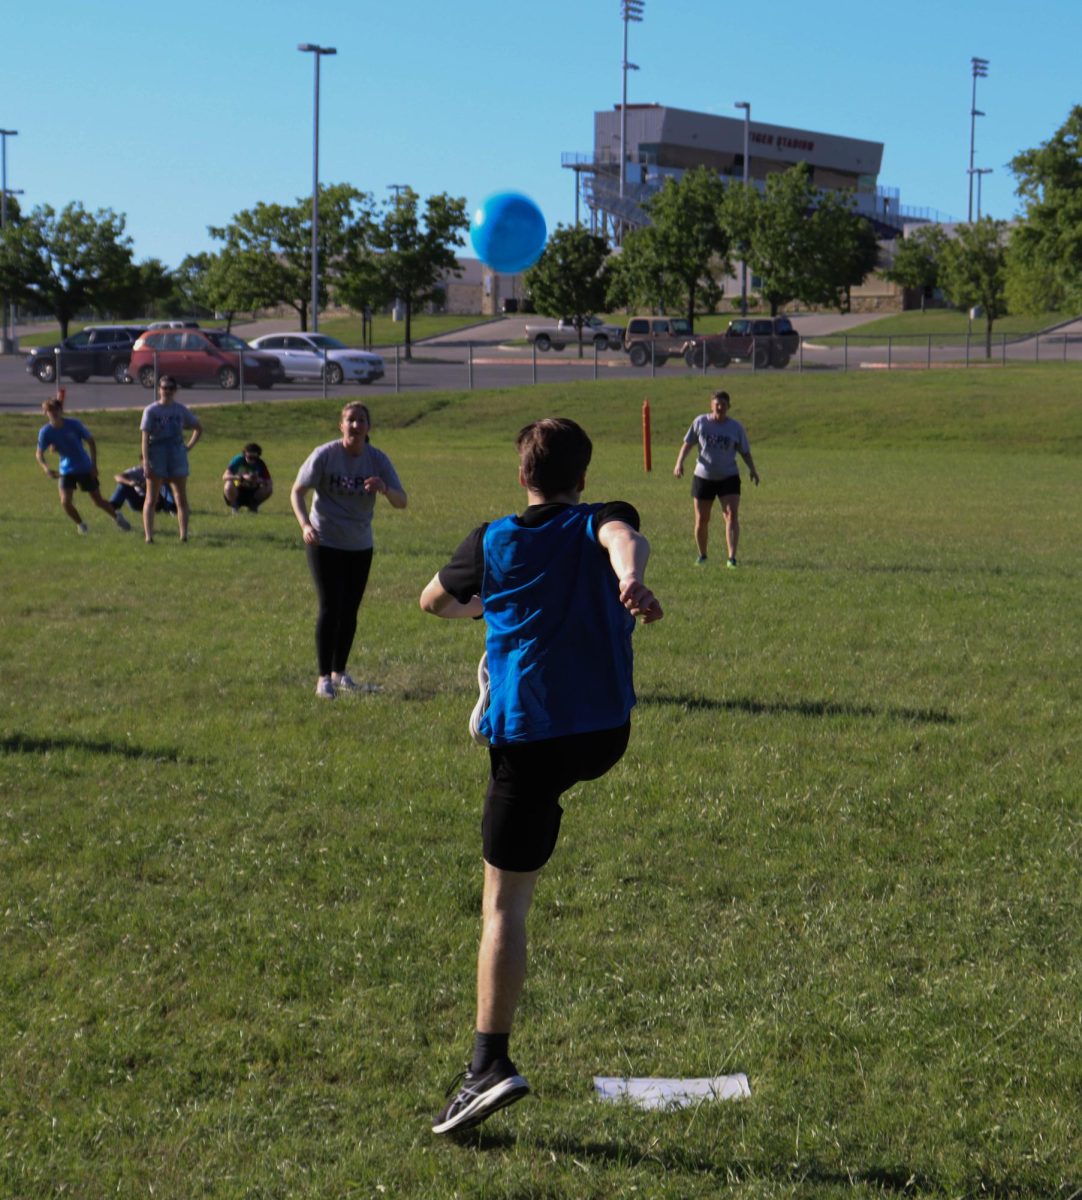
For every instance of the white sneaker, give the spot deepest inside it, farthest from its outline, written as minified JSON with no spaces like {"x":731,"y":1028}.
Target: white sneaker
{"x":325,"y":690}
{"x":122,"y":521}
{"x":346,"y":683}
{"x":83,"y":528}
{"x":481,"y":707}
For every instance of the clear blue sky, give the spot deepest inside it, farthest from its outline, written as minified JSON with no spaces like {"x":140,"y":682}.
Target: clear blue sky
{"x":181,"y":115}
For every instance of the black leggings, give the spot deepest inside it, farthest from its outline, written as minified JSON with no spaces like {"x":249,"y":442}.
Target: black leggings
{"x":340,"y":577}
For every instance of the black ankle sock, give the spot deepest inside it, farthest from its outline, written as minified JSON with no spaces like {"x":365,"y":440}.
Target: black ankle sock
{"x":487,"y":1048}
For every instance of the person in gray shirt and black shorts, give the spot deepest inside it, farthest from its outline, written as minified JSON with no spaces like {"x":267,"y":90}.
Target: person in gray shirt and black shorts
{"x":719,"y":440}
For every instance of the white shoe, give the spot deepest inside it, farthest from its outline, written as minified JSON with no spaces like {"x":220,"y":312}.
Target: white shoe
{"x":346,"y":683}
{"x":83,"y":528}
{"x":122,"y":521}
{"x":325,"y":689}
{"x":481,"y":707}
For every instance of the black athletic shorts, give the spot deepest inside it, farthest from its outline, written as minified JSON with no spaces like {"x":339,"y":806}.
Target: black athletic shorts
{"x":86,"y":480}
{"x":522,"y":806}
{"x":245,"y":499}
{"x":710,"y":489}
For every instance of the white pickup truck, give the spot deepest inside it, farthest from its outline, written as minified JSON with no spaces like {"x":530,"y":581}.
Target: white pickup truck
{"x":565,"y":333}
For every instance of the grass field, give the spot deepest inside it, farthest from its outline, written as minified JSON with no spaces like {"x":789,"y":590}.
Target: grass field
{"x":948,"y":327}
{"x":841,"y":854}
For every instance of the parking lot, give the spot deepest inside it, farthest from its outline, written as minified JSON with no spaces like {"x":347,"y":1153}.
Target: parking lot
{"x":493,"y":356}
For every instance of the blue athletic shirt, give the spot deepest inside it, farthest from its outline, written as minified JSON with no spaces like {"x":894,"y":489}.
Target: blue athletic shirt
{"x":559,"y":640}
{"x":68,"y":441}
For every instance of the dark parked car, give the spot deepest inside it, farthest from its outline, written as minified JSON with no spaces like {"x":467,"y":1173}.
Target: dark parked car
{"x":95,"y":350}
{"x":764,"y":341}
{"x":202,"y":356}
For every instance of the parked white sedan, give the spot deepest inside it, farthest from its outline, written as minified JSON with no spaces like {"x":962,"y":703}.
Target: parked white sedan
{"x":302,"y":356}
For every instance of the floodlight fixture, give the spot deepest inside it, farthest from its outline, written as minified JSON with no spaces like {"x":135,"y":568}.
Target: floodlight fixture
{"x":630,"y":10}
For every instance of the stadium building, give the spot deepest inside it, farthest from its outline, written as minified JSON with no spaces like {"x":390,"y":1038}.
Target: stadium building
{"x":664,"y":142}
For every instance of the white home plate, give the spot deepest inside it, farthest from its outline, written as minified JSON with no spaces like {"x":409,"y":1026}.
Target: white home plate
{"x":672,"y":1093}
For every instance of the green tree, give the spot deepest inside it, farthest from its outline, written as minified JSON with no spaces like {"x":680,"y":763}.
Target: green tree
{"x":217,"y":283}
{"x":689,"y":239}
{"x":775,"y":228}
{"x":974,"y":271}
{"x":149,"y":284}
{"x":361,"y":283}
{"x":569,"y":280}
{"x":414,"y":252}
{"x":845,"y":251}
{"x":1033,"y":285}
{"x":803,"y":245}
{"x":637,"y":277}
{"x":917,"y":259}
{"x":190,"y":284}
{"x":14,"y":211}
{"x":267,"y":256}
{"x":64,"y":263}
{"x":1048,"y":243}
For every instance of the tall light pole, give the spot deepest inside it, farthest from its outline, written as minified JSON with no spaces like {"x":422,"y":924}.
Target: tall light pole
{"x":630,"y":10}
{"x":5,"y":347}
{"x":743,"y":263}
{"x":398,"y":189}
{"x":318,"y":52}
{"x":980,"y":71}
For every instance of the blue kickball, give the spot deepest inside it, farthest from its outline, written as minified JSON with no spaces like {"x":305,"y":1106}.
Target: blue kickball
{"x":508,"y":232}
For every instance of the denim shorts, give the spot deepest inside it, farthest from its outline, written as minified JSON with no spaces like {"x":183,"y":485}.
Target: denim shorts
{"x":169,"y":460}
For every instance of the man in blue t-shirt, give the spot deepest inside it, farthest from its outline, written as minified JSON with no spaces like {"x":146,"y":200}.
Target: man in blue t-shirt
{"x":78,"y":467}
{"x":559,"y":587}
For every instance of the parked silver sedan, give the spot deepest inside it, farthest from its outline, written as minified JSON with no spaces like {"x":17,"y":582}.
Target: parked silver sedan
{"x":303,"y":355}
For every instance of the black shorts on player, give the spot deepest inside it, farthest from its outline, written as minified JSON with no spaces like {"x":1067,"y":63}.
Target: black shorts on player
{"x":246,"y":498}
{"x":522,"y":814}
{"x":714,"y":489}
{"x":86,"y":480}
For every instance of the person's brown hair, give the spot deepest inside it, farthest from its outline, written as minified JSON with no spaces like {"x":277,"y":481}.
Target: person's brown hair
{"x":554,"y":454}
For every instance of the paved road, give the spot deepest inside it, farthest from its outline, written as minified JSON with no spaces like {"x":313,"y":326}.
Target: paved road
{"x":482,"y":357}
{"x":447,"y":366}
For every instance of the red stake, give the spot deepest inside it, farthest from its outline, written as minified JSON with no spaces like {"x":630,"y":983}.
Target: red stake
{"x":647,"y":463}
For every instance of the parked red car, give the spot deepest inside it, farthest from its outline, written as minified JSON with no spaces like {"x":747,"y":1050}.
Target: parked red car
{"x":202,"y":356}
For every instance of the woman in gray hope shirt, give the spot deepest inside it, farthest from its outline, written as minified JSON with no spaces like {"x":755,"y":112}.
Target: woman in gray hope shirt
{"x":347,"y":475}
{"x":719,"y":440}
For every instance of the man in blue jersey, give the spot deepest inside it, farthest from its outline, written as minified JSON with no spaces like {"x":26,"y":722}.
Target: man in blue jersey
{"x":78,"y":466}
{"x":559,"y":587}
